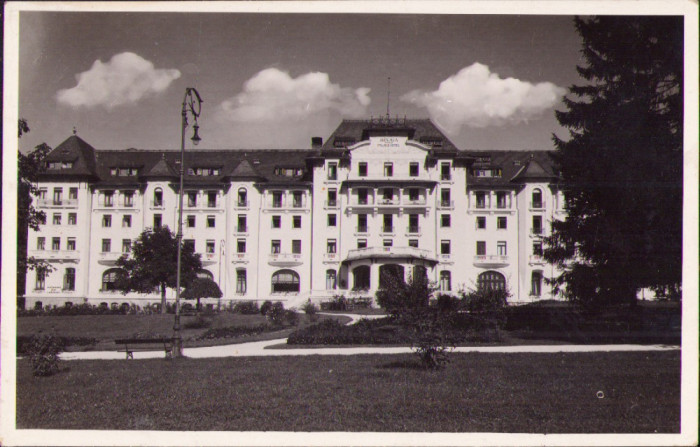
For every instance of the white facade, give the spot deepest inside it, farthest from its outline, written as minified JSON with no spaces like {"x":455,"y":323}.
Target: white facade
{"x":313,"y":225}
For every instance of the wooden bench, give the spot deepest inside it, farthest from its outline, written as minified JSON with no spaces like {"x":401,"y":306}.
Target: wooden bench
{"x":145,"y":344}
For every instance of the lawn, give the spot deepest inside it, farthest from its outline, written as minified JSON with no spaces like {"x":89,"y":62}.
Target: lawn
{"x":539,"y":393}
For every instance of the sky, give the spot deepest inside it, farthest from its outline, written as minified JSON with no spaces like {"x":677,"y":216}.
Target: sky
{"x":276,"y":80}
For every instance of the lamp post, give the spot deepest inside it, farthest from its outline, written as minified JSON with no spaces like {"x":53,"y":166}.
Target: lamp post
{"x":192,"y":104}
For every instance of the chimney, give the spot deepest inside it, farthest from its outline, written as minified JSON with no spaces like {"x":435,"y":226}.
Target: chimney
{"x":316,"y":142}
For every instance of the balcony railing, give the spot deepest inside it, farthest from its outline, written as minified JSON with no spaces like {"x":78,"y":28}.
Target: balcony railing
{"x":61,"y":202}
{"x":55,"y":254}
{"x":331,"y":257}
{"x":285,"y":259}
{"x":360,"y":253}
{"x":384,"y":201}
{"x":157,"y":204}
{"x":242,"y":204}
{"x":491,"y":260}
{"x":536,"y":205}
{"x":418,"y":201}
{"x":446,"y":204}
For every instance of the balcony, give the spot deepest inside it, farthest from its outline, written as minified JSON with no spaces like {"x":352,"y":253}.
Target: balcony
{"x":157,"y":205}
{"x":331,"y":257}
{"x":209,"y":258}
{"x":491,"y":260}
{"x":285,"y":259}
{"x":55,"y":254}
{"x":61,"y":203}
{"x":108,"y":258}
{"x":240,"y":258}
{"x":415,"y":202}
{"x":389,"y":252}
{"x":536,"y":259}
{"x":384,"y":201}
{"x":446,"y":204}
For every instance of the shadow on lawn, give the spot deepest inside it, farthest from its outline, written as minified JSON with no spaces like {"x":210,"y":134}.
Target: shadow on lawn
{"x":404,"y":364}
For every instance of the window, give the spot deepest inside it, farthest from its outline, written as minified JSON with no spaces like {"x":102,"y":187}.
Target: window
{"x":445,"y":171}
{"x":501,"y":199}
{"x":129,"y":198}
{"x":110,"y":279}
{"x":388,"y":169}
{"x":211,"y":199}
{"x":413,"y":243}
{"x":211,"y":247}
{"x":285,"y":281}
{"x":362,"y":196}
{"x":296,"y":246}
{"x":501,"y":248}
{"x":277,"y":199}
{"x":536,"y":284}
{"x":331,"y":246}
{"x":387,"y":243}
{"x":444,"y":247}
{"x":296,"y":221}
{"x":42,"y":194}
{"x":413,"y":169}
{"x":276,"y":247}
{"x":537,"y":224}
{"x":41,"y":243}
{"x":107,"y":221}
{"x":57,"y":196}
{"x":332,"y":171}
{"x":445,"y":281}
{"x":242,"y":225}
{"x":481,"y":248}
{"x":362,"y":243}
{"x":480,"y":199}
{"x":481,"y":223}
{"x":537,"y":248}
{"x":491,"y":280}
{"x":413,"y":194}
{"x":297,"y":199}
{"x":106,"y":245}
{"x":361,"y":223}
{"x":361,"y":278}
{"x":413,"y":226}
{"x":276,"y":221}
{"x":332,"y":220}
{"x":330,"y":279}
{"x":241,"y":281}
{"x":445,"y":220}
{"x":537,"y":198}
{"x":109,"y":198}
{"x":57,"y":219}
{"x":240,"y":246}
{"x":388,"y":223}
{"x":72,"y":218}
{"x":191,"y":221}
{"x":332,"y":197}
{"x":189,"y":244}
{"x":192,"y":199}
{"x":73,"y":193}
{"x":387,"y":195}
{"x":502,"y":223}
{"x":362,"y":169}
{"x":126,"y":245}
{"x":158,"y":197}
{"x":55,"y":243}
{"x":211,"y":221}
{"x":70,"y":244}
{"x":242,"y":198}
{"x":445,"y":197}
{"x":157,"y":220}
{"x":40,"y":280}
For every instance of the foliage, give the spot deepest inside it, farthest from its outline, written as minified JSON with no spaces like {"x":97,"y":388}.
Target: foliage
{"x":401,"y":299}
{"x":310,"y":310}
{"x":200,"y":288}
{"x":622,"y":167}
{"x":266,"y":306}
{"x":152,"y":264}
{"x":26,"y":343}
{"x":83,"y":309}
{"x":291,"y":317}
{"x":246,"y":308}
{"x":44,"y":355}
{"x":276,"y":314}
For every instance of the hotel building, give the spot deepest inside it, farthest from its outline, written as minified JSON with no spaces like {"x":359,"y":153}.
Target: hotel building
{"x":380,"y":195}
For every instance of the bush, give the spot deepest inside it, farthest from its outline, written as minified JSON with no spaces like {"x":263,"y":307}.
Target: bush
{"x":291,"y":317}
{"x":44,"y":354}
{"x":233,"y":331}
{"x":311,"y":311}
{"x":246,"y":308}
{"x":266,"y":306}
{"x":25,"y":342}
{"x":276,"y":314}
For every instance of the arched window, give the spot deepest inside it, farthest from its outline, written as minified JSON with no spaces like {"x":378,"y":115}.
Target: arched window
{"x":360,"y":278}
{"x":388,"y":270}
{"x":285,"y":281}
{"x":330,"y":279}
{"x":491,"y":280}
{"x":537,"y":198}
{"x":158,"y":197}
{"x":205,"y":274}
{"x":110,"y":279}
{"x":242,"y":197}
{"x":445,"y":281}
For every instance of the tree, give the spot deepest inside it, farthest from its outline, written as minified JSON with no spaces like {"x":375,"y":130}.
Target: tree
{"x":152,"y":264}
{"x":28,"y":169}
{"x":622,"y":166}
{"x":200,"y":288}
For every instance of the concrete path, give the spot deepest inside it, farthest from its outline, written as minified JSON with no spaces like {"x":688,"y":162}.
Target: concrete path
{"x":262,"y":349}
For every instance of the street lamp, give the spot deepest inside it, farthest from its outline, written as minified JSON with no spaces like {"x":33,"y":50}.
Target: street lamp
{"x":192,"y":103}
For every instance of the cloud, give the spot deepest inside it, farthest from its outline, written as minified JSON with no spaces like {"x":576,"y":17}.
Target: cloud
{"x":125,"y":79}
{"x":475,"y":97}
{"x":273,"y":95}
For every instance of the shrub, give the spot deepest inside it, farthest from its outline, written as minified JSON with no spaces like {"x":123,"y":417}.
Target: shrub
{"x":44,"y":354}
{"x":310,"y":310}
{"x":291,"y":317}
{"x":233,"y":331}
{"x":266,"y":306}
{"x":276,"y":314}
{"x":246,"y":308}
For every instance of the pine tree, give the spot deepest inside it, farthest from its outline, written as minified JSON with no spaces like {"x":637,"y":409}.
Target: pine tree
{"x":622,"y":166}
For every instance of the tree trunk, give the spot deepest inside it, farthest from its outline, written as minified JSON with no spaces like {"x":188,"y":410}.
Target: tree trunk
{"x":162,"y":298}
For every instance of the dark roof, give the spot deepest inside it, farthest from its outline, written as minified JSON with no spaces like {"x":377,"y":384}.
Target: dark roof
{"x":422,"y":130}
{"x":161,"y":169}
{"x":75,"y":150}
{"x":516,"y":167}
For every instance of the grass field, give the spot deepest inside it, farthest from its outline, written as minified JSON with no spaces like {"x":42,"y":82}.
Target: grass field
{"x":539,"y":393}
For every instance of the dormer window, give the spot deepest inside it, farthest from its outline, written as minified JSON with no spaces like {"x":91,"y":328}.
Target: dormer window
{"x":123,"y":172}
{"x":204,"y":171}
{"x":289,"y":172}
{"x":59,"y":165}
